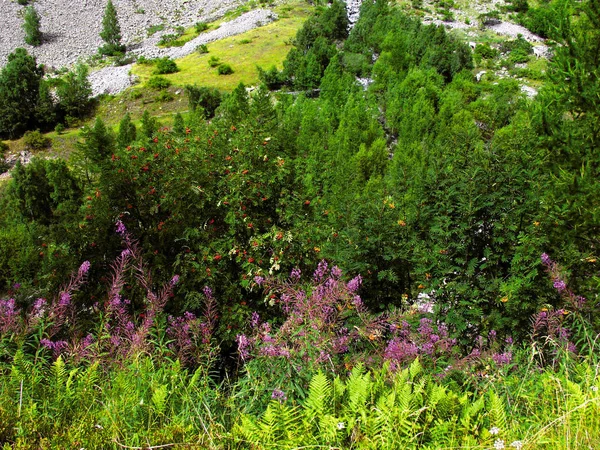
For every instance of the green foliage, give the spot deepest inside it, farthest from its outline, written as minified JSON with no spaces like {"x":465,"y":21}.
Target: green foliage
{"x":208,"y":99}
{"x":271,"y":77}
{"x":165,"y":66}
{"x":214,"y":61}
{"x":127,"y":132}
{"x":159,"y":83}
{"x":485,"y":51}
{"x":202,"y":49}
{"x":45,"y":190}
{"x":74,"y":92}
{"x":59,"y":128}
{"x":200,"y":27}
{"x":111,"y":32}
{"x":31,"y":26}
{"x":19,"y":93}
{"x":35,"y":140}
{"x":97,"y":145}
{"x":224,"y":69}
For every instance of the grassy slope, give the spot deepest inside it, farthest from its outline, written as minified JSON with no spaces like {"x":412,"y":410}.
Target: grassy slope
{"x":265,"y":46}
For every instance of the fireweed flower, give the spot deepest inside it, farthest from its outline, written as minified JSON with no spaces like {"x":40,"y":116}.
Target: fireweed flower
{"x":65,"y":299}
{"x":296,"y":274}
{"x":255,"y":321}
{"x":560,"y":285}
{"x":546,"y":259}
{"x":121,"y":230}
{"x":174,"y":280}
{"x":259,"y":280}
{"x":354,"y":283}
{"x":243,"y":346}
{"x":84,"y":268}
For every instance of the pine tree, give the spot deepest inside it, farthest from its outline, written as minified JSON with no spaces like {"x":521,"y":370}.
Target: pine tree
{"x":127,"y":132}
{"x":33,"y":35}
{"x":19,"y":93}
{"x":111,"y":32}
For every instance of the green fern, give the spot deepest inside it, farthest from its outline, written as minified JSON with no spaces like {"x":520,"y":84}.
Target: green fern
{"x":496,"y":411}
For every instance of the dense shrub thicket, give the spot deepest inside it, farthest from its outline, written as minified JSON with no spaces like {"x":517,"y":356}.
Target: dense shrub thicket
{"x":428,"y":182}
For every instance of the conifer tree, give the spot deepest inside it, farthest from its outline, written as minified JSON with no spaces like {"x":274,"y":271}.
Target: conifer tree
{"x":33,"y":35}
{"x":111,"y":32}
{"x":127,"y":132}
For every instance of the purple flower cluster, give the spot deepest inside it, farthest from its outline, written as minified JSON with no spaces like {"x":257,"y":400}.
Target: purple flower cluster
{"x":279,"y":395}
{"x":56,"y":347}
{"x":9,"y":316}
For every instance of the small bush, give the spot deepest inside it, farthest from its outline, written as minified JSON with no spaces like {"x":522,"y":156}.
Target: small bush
{"x":245,"y":41}
{"x":225,"y":69}
{"x":272,"y":78}
{"x":208,"y":99}
{"x":164,"y":96}
{"x":154,"y":29}
{"x":165,"y":66}
{"x":3,"y":148}
{"x":158,"y":83}
{"x":168,"y":40}
{"x":59,"y":128}
{"x":214,"y":61}
{"x":202,"y":49}
{"x":485,"y":51}
{"x":201,"y":26}
{"x":135,"y":94}
{"x":35,"y":140}
{"x":145,"y":61}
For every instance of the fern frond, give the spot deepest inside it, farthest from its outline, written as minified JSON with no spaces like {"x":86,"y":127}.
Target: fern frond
{"x":496,"y":410}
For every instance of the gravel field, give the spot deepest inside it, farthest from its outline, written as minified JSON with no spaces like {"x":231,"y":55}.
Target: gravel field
{"x":71,"y":28}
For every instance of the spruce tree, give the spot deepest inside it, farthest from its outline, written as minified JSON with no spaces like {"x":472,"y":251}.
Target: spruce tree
{"x":33,"y":35}
{"x":111,"y":32}
{"x":127,"y":132}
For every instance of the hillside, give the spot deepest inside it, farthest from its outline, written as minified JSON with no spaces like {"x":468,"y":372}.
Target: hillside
{"x":336,"y":225}
{"x":71,"y":30}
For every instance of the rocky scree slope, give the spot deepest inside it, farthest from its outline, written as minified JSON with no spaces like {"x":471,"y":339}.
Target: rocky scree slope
{"x":71,"y":29}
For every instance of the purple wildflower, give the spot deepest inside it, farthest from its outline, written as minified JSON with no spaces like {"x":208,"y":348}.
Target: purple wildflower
{"x":16,"y":286}
{"x":336,"y":272}
{"x":321,"y":270}
{"x":174,"y":280}
{"x":121,"y":230}
{"x":9,"y":316}
{"x":259,"y":280}
{"x":279,"y":395}
{"x":546,"y":259}
{"x":354,"y":283}
{"x":84,"y":268}
{"x":243,"y":346}
{"x":560,"y":285}
{"x":502,"y":359}
{"x":255,"y":321}
{"x":65,"y":299}
{"x":296,"y":273}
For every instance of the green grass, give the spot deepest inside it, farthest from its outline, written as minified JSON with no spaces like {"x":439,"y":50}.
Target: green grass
{"x":265,"y":46}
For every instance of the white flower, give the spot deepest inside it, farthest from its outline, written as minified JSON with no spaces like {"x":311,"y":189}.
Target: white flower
{"x":517,"y":444}
{"x":341,"y":425}
{"x":498,"y":444}
{"x":494,"y":431}
{"x":594,"y":388}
